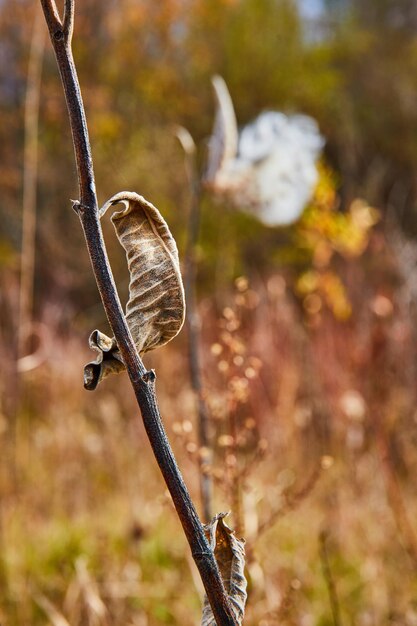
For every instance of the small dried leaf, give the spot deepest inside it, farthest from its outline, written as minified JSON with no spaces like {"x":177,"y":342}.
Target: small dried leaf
{"x":230,"y":556}
{"x":156,"y":307}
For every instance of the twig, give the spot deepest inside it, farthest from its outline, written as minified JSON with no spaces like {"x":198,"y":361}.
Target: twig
{"x":193,"y":321}
{"x":327,"y":573}
{"x":68,"y":21}
{"x":142,"y":381}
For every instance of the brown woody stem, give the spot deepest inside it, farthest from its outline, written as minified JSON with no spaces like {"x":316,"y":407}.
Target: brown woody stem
{"x":142,"y":381}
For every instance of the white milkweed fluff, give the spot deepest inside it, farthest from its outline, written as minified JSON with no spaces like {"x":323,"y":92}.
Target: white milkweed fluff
{"x":269,"y":169}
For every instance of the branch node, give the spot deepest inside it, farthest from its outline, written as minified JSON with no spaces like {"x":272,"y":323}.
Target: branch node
{"x":78,"y":207}
{"x":149,"y":377}
{"x":59,"y":35}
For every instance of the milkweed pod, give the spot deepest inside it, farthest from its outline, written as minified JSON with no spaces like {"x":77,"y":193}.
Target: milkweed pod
{"x":156,"y":307}
{"x":223,"y":143}
{"x":229,"y":552}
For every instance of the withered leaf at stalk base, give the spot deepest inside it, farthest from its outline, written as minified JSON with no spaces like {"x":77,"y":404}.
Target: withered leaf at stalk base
{"x":229,"y":552}
{"x":156,"y":307}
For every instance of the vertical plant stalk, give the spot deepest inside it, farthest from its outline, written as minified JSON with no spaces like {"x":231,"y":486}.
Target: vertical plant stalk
{"x":143,"y":382}
{"x":30,"y":175}
{"x":193,"y":321}
{"x":236,"y":477}
{"x":328,"y":577}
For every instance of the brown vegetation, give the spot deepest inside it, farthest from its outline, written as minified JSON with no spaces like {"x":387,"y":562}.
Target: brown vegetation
{"x":308,"y":333}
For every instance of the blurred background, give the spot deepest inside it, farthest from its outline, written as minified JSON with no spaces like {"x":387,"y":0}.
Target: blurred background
{"x":308,"y":331}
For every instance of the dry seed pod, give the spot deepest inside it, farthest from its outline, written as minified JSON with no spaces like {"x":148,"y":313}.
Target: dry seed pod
{"x":156,"y":307}
{"x":230,"y":556}
{"x":223,"y":143}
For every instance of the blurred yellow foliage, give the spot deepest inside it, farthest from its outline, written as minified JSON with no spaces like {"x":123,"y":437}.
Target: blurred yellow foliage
{"x":324,"y":231}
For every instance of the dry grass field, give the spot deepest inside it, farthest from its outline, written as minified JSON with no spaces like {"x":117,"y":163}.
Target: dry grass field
{"x":313,"y":426}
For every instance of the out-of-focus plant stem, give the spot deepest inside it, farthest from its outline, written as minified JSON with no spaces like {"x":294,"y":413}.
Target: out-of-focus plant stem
{"x":328,"y":577}
{"x":236,"y":478}
{"x":193,"y":320}
{"x":142,"y":381}
{"x":30,"y":174}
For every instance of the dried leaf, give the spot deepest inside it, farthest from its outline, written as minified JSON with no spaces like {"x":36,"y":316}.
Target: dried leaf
{"x":230,"y":556}
{"x":156,"y":307}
